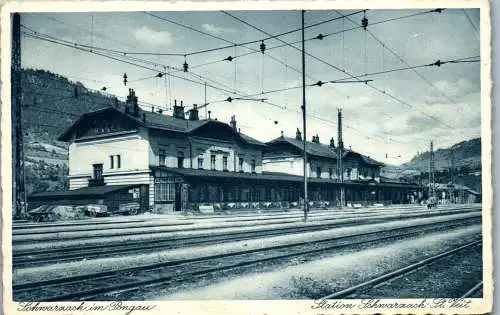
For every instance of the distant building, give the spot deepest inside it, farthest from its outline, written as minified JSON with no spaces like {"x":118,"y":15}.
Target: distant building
{"x":174,"y":162}
{"x":456,"y":193}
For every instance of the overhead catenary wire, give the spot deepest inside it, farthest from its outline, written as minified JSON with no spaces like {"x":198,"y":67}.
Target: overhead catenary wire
{"x":150,"y":106}
{"x":113,"y":55}
{"x":470,"y":22}
{"x":384,"y":46}
{"x":284,"y":42}
{"x":382,"y":91}
{"x":395,"y":70}
{"x":341,"y":70}
{"x":353,"y":76}
{"x":128,"y":53}
{"x":126,"y":61}
{"x":266,"y":102}
{"x":231,"y":44}
{"x":244,"y":45}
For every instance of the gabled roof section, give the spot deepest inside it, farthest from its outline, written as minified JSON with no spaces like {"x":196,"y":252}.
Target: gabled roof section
{"x":251,"y":140}
{"x":158,"y":121}
{"x":66,"y":135}
{"x":322,"y":150}
{"x":364,"y":158}
{"x":312,"y":148}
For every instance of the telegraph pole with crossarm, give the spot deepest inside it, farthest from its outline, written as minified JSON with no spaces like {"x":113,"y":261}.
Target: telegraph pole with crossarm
{"x":18,"y":187}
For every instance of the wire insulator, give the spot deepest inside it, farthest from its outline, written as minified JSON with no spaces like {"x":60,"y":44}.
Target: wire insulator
{"x":229,"y":99}
{"x":364,"y":21}
{"x":438,"y":63}
{"x":262,"y":47}
{"x":320,"y":36}
{"x":229,"y":58}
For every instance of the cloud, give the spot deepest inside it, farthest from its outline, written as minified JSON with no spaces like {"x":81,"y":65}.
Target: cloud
{"x":152,"y":37}
{"x":444,"y":90}
{"x":214,"y":29}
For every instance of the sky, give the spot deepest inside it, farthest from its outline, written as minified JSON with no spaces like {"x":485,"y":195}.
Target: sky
{"x":390,"y":119}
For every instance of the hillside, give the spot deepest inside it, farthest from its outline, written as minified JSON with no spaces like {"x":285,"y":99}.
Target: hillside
{"x":50,"y":104}
{"x":467,"y":171}
{"x":467,"y":155}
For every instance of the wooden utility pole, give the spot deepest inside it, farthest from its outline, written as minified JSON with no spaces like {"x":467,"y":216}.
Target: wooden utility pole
{"x":18,"y":188}
{"x":452,"y":176}
{"x":431,"y":170}
{"x":306,"y":202}
{"x":340,"y":152}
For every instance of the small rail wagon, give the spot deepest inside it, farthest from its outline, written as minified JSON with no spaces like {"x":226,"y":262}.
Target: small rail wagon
{"x":119,"y":199}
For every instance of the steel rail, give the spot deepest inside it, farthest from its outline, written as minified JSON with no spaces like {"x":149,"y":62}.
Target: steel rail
{"x":45,"y":258}
{"x":332,"y":222}
{"x":396,"y":273}
{"x":120,"y":274}
{"x":58,"y":236}
{"x":474,"y":289}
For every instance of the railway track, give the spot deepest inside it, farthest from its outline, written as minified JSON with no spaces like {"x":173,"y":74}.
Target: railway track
{"x":30,"y":258}
{"x":369,"y":288}
{"x":474,"y":290}
{"x":157,"y":230}
{"x":97,"y":285}
{"x":35,"y":229}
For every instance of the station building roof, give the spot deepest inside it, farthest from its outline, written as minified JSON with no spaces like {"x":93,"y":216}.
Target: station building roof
{"x":154,"y":120}
{"x":321,"y":150}
{"x":267,"y":176}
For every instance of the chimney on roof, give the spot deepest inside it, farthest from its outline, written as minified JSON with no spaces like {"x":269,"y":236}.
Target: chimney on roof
{"x":233,"y":122}
{"x":315,"y":139}
{"x":332,"y":143}
{"x":152,"y":109}
{"x":298,"y":135}
{"x":193,"y":113}
{"x":209,"y":112}
{"x":143,"y":117}
{"x":179,"y":111}
{"x":131,"y":106}
{"x":282,"y":136}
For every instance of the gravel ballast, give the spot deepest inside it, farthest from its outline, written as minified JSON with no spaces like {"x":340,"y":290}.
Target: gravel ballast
{"x":313,"y":280}
{"x":115,"y":263}
{"x":44,"y":241}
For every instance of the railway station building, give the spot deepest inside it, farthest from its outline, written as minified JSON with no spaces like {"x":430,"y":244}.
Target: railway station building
{"x":180,"y":162}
